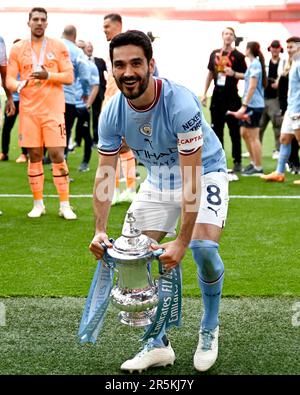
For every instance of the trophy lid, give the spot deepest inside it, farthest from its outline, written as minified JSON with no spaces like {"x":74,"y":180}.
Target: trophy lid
{"x":132,"y":243}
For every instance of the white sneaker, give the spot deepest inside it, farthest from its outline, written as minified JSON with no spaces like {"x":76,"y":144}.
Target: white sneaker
{"x":207,"y":349}
{"x":116,"y":197}
{"x":150,"y":356}
{"x":67,"y":213}
{"x":37,"y":211}
{"x":127,"y":196}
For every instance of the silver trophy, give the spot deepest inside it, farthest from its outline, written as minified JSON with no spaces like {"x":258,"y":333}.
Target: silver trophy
{"x":135,"y":292}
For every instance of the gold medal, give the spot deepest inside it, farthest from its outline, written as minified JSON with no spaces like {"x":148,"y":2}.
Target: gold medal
{"x":37,"y":83}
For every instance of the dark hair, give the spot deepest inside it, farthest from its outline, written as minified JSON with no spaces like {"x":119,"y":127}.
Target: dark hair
{"x":37,"y":9}
{"x":293,"y":39}
{"x":132,"y":37}
{"x":113,"y":17}
{"x":255,"y":50}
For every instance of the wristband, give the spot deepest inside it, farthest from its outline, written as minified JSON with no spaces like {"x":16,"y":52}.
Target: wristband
{"x":244,"y":105}
{"x":21,"y":85}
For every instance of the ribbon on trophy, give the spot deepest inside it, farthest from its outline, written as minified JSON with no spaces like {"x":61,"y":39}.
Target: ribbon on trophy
{"x":96,"y":303}
{"x":168,"y":311}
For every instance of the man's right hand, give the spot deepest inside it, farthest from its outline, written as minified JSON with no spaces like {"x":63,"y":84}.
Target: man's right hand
{"x":95,"y":246}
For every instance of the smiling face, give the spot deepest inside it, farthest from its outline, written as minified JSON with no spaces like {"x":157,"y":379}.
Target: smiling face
{"x":291,"y":49}
{"x":38,"y":24}
{"x":131,"y":70}
{"x":111,"y":28}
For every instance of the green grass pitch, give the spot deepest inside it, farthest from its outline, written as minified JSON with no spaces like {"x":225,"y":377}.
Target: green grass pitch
{"x":46,"y":270}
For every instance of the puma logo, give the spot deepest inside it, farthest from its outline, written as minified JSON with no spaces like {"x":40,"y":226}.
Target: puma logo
{"x":215,"y":211}
{"x":149,"y":141}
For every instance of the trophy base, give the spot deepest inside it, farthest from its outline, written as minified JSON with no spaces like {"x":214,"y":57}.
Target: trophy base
{"x":137,"y":319}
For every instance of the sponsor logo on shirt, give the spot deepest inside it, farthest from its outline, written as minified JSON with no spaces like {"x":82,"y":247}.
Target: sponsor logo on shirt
{"x":194,"y":123}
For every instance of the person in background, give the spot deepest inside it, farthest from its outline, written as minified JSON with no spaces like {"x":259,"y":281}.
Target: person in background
{"x":252,"y":106}
{"x":293,"y":162}
{"x":112,"y":25}
{"x":97,"y":104}
{"x":81,"y":76}
{"x":225,"y":95}
{"x":44,"y":66}
{"x":272,"y":108}
{"x":291,"y":121}
{"x":83,"y":125}
{"x":10,"y":108}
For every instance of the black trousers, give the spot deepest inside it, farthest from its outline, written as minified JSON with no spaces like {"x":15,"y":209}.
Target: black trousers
{"x":70,"y":116}
{"x":8,"y":125}
{"x":294,"y":157}
{"x":218,"y":108}
{"x":96,"y":107}
{"x":83,"y":132}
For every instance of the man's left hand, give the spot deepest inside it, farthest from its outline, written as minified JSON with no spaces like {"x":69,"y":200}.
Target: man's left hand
{"x":173,"y":254}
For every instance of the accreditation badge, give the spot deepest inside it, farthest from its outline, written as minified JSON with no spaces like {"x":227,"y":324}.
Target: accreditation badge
{"x":221,"y":79}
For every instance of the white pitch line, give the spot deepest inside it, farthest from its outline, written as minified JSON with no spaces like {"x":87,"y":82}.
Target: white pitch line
{"x":263,"y":197}
{"x":6,"y":195}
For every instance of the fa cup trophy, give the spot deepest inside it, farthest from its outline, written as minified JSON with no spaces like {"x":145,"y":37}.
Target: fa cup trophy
{"x":141,"y":300}
{"x":135,"y":293}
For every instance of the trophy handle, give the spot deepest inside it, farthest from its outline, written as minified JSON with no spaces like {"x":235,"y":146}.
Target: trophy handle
{"x":109,"y":261}
{"x":158,"y":253}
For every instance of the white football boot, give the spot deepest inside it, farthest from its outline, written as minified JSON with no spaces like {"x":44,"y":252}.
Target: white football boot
{"x":150,"y":356}
{"x":37,"y":211}
{"x":207,"y":350}
{"x":66,"y":212}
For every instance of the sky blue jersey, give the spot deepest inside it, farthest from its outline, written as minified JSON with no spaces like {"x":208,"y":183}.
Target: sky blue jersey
{"x":173,"y":124}
{"x":93,"y":78}
{"x":3,"y":58}
{"x":255,"y":70}
{"x":294,"y":87}
{"x":81,"y":72}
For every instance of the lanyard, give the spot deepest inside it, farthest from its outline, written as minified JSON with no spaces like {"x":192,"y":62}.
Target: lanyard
{"x":37,"y":64}
{"x":225,"y":57}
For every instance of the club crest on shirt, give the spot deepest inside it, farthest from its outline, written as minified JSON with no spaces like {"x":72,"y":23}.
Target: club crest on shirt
{"x":50,"y":56}
{"x":146,"y":129}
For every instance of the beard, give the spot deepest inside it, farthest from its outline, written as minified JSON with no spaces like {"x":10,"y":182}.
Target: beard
{"x":136,"y":91}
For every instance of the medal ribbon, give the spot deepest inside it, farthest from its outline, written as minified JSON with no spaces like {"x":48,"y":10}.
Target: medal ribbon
{"x":37,"y":64}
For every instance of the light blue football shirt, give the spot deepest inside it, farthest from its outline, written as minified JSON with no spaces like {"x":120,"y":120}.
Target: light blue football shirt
{"x":3,"y":58}
{"x":294,"y":87}
{"x":255,"y":70}
{"x":81,"y":72}
{"x":173,"y":122}
{"x":93,"y":79}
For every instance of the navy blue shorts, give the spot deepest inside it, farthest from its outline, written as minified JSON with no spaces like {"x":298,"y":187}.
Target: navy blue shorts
{"x":255,"y":115}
